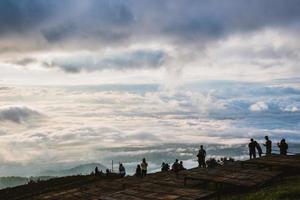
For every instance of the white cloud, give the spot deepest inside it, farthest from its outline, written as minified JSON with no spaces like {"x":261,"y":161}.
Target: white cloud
{"x":291,"y":109}
{"x":259,"y":106}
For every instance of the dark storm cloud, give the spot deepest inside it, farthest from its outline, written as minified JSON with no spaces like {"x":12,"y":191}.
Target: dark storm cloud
{"x":59,"y":20}
{"x":19,"y":16}
{"x":23,"y":15}
{"x":209,"y":19}
{"x":102,"y":20}
{"x":115,"y":20}
{"x":186,"y":27}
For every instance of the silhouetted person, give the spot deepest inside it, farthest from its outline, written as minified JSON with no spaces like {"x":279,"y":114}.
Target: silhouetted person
{"x":283,"y":146}
{"x":107,"y":172}
{"x":268,"y":146}
{"x":144,"y":166}
{"x":138,"y":171}
{"x":175,"y":166}
{"x":122,"y":170}
{"x":252,"y":146}
{"x":165,"y":167}
{"x":201,"y":157}
{"x":181,"y":167}
{"x":96,"y":171}
{"x":259,"y":150}
{"x":162,"y":166}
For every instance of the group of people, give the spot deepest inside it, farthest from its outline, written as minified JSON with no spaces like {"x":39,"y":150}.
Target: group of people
{"x":141,"y":169}
{"x":254,"y":145}
{"x":176,"y":166}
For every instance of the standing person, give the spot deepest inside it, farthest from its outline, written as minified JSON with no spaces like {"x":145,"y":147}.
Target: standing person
{"x":252,"y":146}
{"x":268,"y":146}
{"x":163,"y":167}
{"x":96,"y":171}
{"x":122,"y":170}
{"x":283,"y":146}
{"x":259,"y":150}
{"x":201,"y":157}
{"x":144,"y":166}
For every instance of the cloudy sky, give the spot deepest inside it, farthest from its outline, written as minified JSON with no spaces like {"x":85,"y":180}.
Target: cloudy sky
{"x":77,"y":76}
{"x":112,"y":41}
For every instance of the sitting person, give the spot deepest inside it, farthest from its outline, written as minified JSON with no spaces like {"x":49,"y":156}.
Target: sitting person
{"x":122,"y":171}
{"x":165,"y":167}
{"x":107,"y":172}
{"x":138,"y":171}
{"x":175,"y":166}
{"x":181,"y":167}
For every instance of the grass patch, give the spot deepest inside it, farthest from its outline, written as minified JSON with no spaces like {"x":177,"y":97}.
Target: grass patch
{"x":288,"y":189}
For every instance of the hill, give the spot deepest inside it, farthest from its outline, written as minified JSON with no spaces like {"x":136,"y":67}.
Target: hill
{"x":270,"y":177}
{"x":78,"y":170}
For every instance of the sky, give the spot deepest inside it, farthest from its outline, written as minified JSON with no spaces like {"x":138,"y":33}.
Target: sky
{"x":79,"y":76}
{"x":128,"y":41}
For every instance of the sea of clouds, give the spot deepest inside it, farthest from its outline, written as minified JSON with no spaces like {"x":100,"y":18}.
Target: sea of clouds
{"x":58,"y":127}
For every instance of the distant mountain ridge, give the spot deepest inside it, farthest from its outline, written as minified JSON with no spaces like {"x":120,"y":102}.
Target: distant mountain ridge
{"x":13,"y":181}
{"x":84,"y":169}
{"x":80,"y":169}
